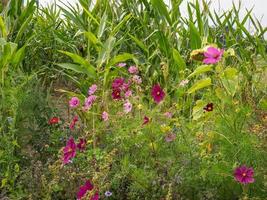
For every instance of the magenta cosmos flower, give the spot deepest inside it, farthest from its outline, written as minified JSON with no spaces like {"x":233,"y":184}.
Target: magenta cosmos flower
{"x":88,"y":186}
{"x":69,"y":151}
{"x":95,"y":197}
{"x":157,"y":93}
{"x":82,"y":144}
{"x":74,"y":102}
{"x":244,"y":175}
{"x":117,"y":83}
{"x":213,"y":55}
{"x":92,"y":89}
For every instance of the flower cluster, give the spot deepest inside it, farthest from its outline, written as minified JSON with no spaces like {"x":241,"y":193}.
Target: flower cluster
{"x":88,"y":186}
{"x":69,"y":151}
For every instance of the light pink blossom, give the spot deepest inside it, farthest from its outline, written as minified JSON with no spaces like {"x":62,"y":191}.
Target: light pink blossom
{"x":89,"y":102}
{"x":121,"y":65}
{"x":92,"y":89}
{"x":128,"y":93}
{"x":74,"y":102}
{"x":105,"y":116}
{"x":127,"y":106}
{"x":137,"y":79}
{"x":133,"y":70}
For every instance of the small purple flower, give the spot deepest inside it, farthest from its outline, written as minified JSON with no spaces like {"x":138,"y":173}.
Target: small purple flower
{"x":108,"y":194}
{"x":244,"y":175}
{"x":69,"y":151}
{"x":121,"y":65}
{"x":92,"y":89}
{"x":127,"y":106}
{"x":157,"y":93}
{"x":213,"y":55}
{"x":133,"y":70}
{"x":105,"y":116}
{"x":74,"y":102}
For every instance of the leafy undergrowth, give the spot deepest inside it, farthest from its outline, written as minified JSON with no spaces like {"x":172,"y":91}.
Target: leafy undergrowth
{"x":131,"y":100}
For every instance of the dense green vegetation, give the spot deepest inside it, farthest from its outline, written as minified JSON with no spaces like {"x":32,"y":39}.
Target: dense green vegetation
{"x":129,"y":99}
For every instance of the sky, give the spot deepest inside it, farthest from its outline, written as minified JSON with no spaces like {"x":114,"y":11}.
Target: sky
{"x":260,"y":6}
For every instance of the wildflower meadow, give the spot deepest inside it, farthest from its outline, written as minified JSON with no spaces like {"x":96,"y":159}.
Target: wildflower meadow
{"x":132,"y":100}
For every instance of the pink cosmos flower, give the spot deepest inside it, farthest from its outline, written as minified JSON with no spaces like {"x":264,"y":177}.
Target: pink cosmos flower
{"x":92,"y":89}
{"x":213,"y":55}
{"x":133,"y":70}
{"x":157,"y":93}
{"x":89,"y":102}
{"x":168,"y":114}
{"x":69,"y":151}
{"x":116,"y":94}
{"x":105,"y":116}
{"x":127,"y":106}
{"x":170,"y":137}
{"x":73,"y":122}
{"x":137,"y":79}
{"x":244,"y":175}
{"x":82,"y":144}
{"x":121,"y":65}
{"x":183,"y":83}
{"x":88,"y":186}
{"x":74,"y":102}
{"x":146,"y":120}
{"x":128,"y":93}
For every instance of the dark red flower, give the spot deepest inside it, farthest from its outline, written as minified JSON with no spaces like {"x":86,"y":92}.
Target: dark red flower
{"x":53,"y":120}
{"x":116,"y":94}
{"x":73,"y":122}
{"x":88,"y":186}
{"x":208,"y":107}
{"x":157,"y":93}
{"x":146,"y":120}
{"x":82,"y":144}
